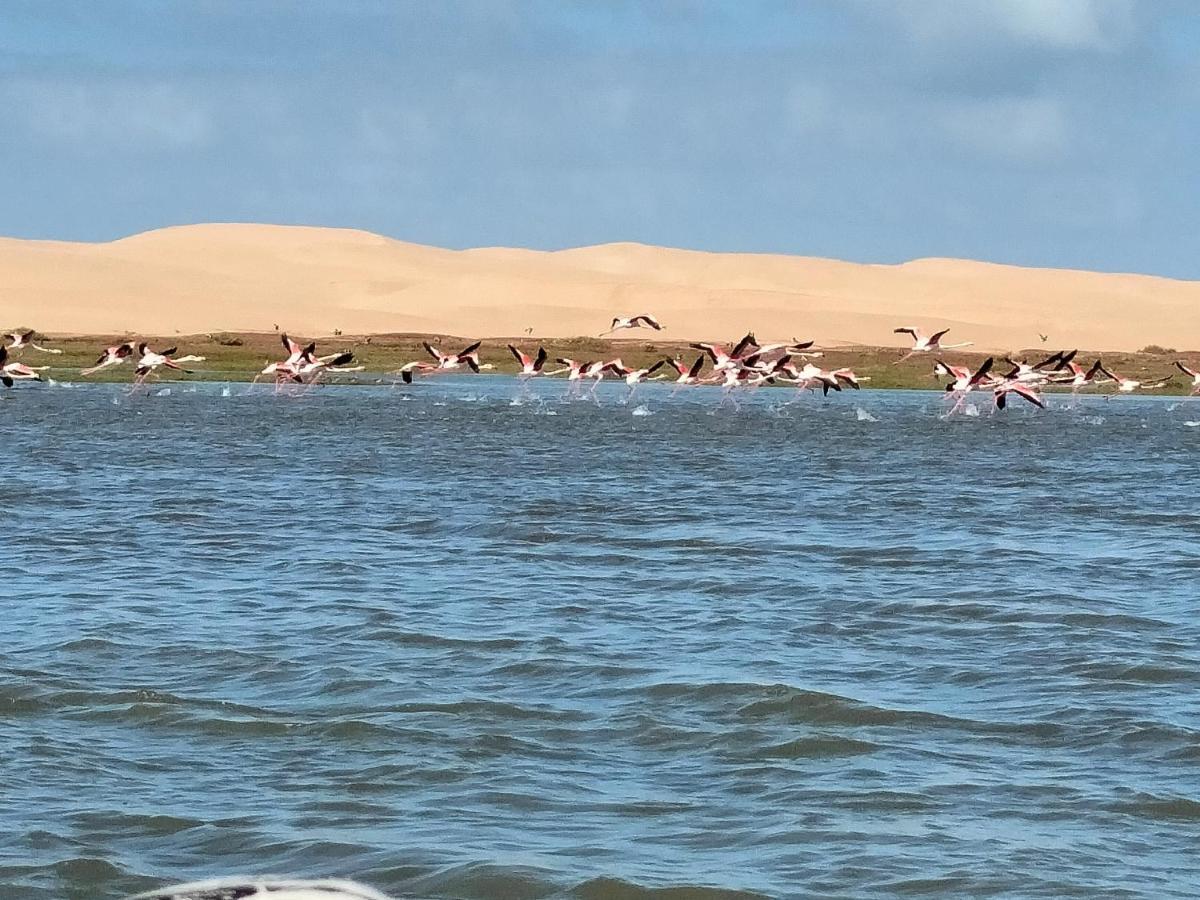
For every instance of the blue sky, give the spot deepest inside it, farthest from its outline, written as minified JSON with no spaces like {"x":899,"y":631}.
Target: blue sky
{"x":1038,"y":132}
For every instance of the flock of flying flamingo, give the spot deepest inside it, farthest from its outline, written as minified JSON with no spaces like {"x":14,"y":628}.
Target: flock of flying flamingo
{"x":747,"y":364}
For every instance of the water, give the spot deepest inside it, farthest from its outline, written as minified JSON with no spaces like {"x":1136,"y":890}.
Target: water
{"x":457,"y":647}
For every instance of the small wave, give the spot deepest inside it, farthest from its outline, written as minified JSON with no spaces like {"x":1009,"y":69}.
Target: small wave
{"x":816,"y":747}
{"x":863,"y":416}
{"x":617,"y":889}
{"x":1170,"y":809}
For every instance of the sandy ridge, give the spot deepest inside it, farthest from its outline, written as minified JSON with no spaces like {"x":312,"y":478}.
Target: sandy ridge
{"x":245,"y":277}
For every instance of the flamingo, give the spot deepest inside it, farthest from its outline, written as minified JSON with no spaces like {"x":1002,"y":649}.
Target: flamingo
{"x":729,"y":359}
{"x":1192,"y":374}
{"x":313,"y":366}
{"x":922,"y":344}
{"x":112,"y":356}
{"x":406,"y":370}
{"x":468,"y":357}
{"x":22,"y":339}
{"x":1079,"y":377}
{"x":964,"y":380}
{"x":811,"y":376}
{"x":687,"y":375}
{"x":530,"y":366}
{"x":149,"y":360}
{"x":1040,"y":372}
{"x":1001,"y":391}
{"x":847,"y":376}
{"x":263,"y":889}
{"x":15,"y":371}
{"x":1129,"y":385}
{"x":619,"y":323}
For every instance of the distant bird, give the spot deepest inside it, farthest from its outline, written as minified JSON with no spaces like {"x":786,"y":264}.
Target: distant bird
{"x":23,"y":339}
{"x":922,"y":344}
{"x":633,"y":322}
{"x":276,"y":326}
{"x":1044,"y":337}
{"x":248,"y":888}
{"x":530,"y":366}
{"x":529,"y":331}
{"x":468,"y":357}
{"x":112,"y":356}
{"x":1192,"y":374}
{"x":15,"y":371}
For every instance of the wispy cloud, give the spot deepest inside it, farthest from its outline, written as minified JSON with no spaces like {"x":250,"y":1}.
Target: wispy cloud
{"x":1098,"y":25}
{"x":138,"y":114}
{"x":1028,"y":130}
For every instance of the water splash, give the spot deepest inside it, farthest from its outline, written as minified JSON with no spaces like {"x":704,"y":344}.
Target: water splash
{"x":863,"y":416}
{"x":642,"y":411}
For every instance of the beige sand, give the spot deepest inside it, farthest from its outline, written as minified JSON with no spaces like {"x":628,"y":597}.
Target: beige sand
{"x":204,"y":278}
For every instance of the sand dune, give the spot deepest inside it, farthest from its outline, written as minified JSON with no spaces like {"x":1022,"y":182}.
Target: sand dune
{"x":203,"y":278}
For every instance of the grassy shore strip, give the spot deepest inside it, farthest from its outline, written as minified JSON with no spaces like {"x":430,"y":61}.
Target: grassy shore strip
{"x":238,"y":357}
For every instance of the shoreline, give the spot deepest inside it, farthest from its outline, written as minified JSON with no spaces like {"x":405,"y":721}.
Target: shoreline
{"x":238,"y":356}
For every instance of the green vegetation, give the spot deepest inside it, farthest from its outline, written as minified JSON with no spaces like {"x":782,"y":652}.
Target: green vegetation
{"x":238,"y":357}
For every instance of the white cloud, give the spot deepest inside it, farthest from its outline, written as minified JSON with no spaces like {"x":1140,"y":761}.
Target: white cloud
{"x":150,"y":115}
{"x":1016,"y":129}
{"x":1062,"y":24}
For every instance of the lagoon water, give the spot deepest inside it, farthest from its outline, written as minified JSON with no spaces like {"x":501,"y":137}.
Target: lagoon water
{"x":459,"y":644}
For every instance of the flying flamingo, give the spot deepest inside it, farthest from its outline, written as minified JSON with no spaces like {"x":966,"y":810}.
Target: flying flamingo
{"x":149,"y":360}
{"x":468,"y":357}
{"x":15,"y":371}
{"x":22,"y":339}
{"x":847,"y":376}
{"x":964,"y":382}
{"x":1192,"y":374}
{"x":633,"y":322}
{"x":1001,"y":391}
{"x":634,"y":377}
{"x":723,"y":359}
{"x":530,"y":366}
{"x":1129,"y":385}
{"x":112,"y":356}
{"x":1040,"y":372}
{"x":406,"y":370}
{"x":314,"y":366}
{"x":922,"y":344}
{"x":687,"y":375}
{"x":1079,"y":377}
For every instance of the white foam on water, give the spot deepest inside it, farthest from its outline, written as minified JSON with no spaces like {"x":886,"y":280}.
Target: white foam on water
{"x":1093,"y":420}
{"x":165,"y":392}
{"x":863,"y":416}
{"x":642,"y":411}
{"x":1192,"y":424}
{"x":225,"y":392}
{"x":971,"y":410}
